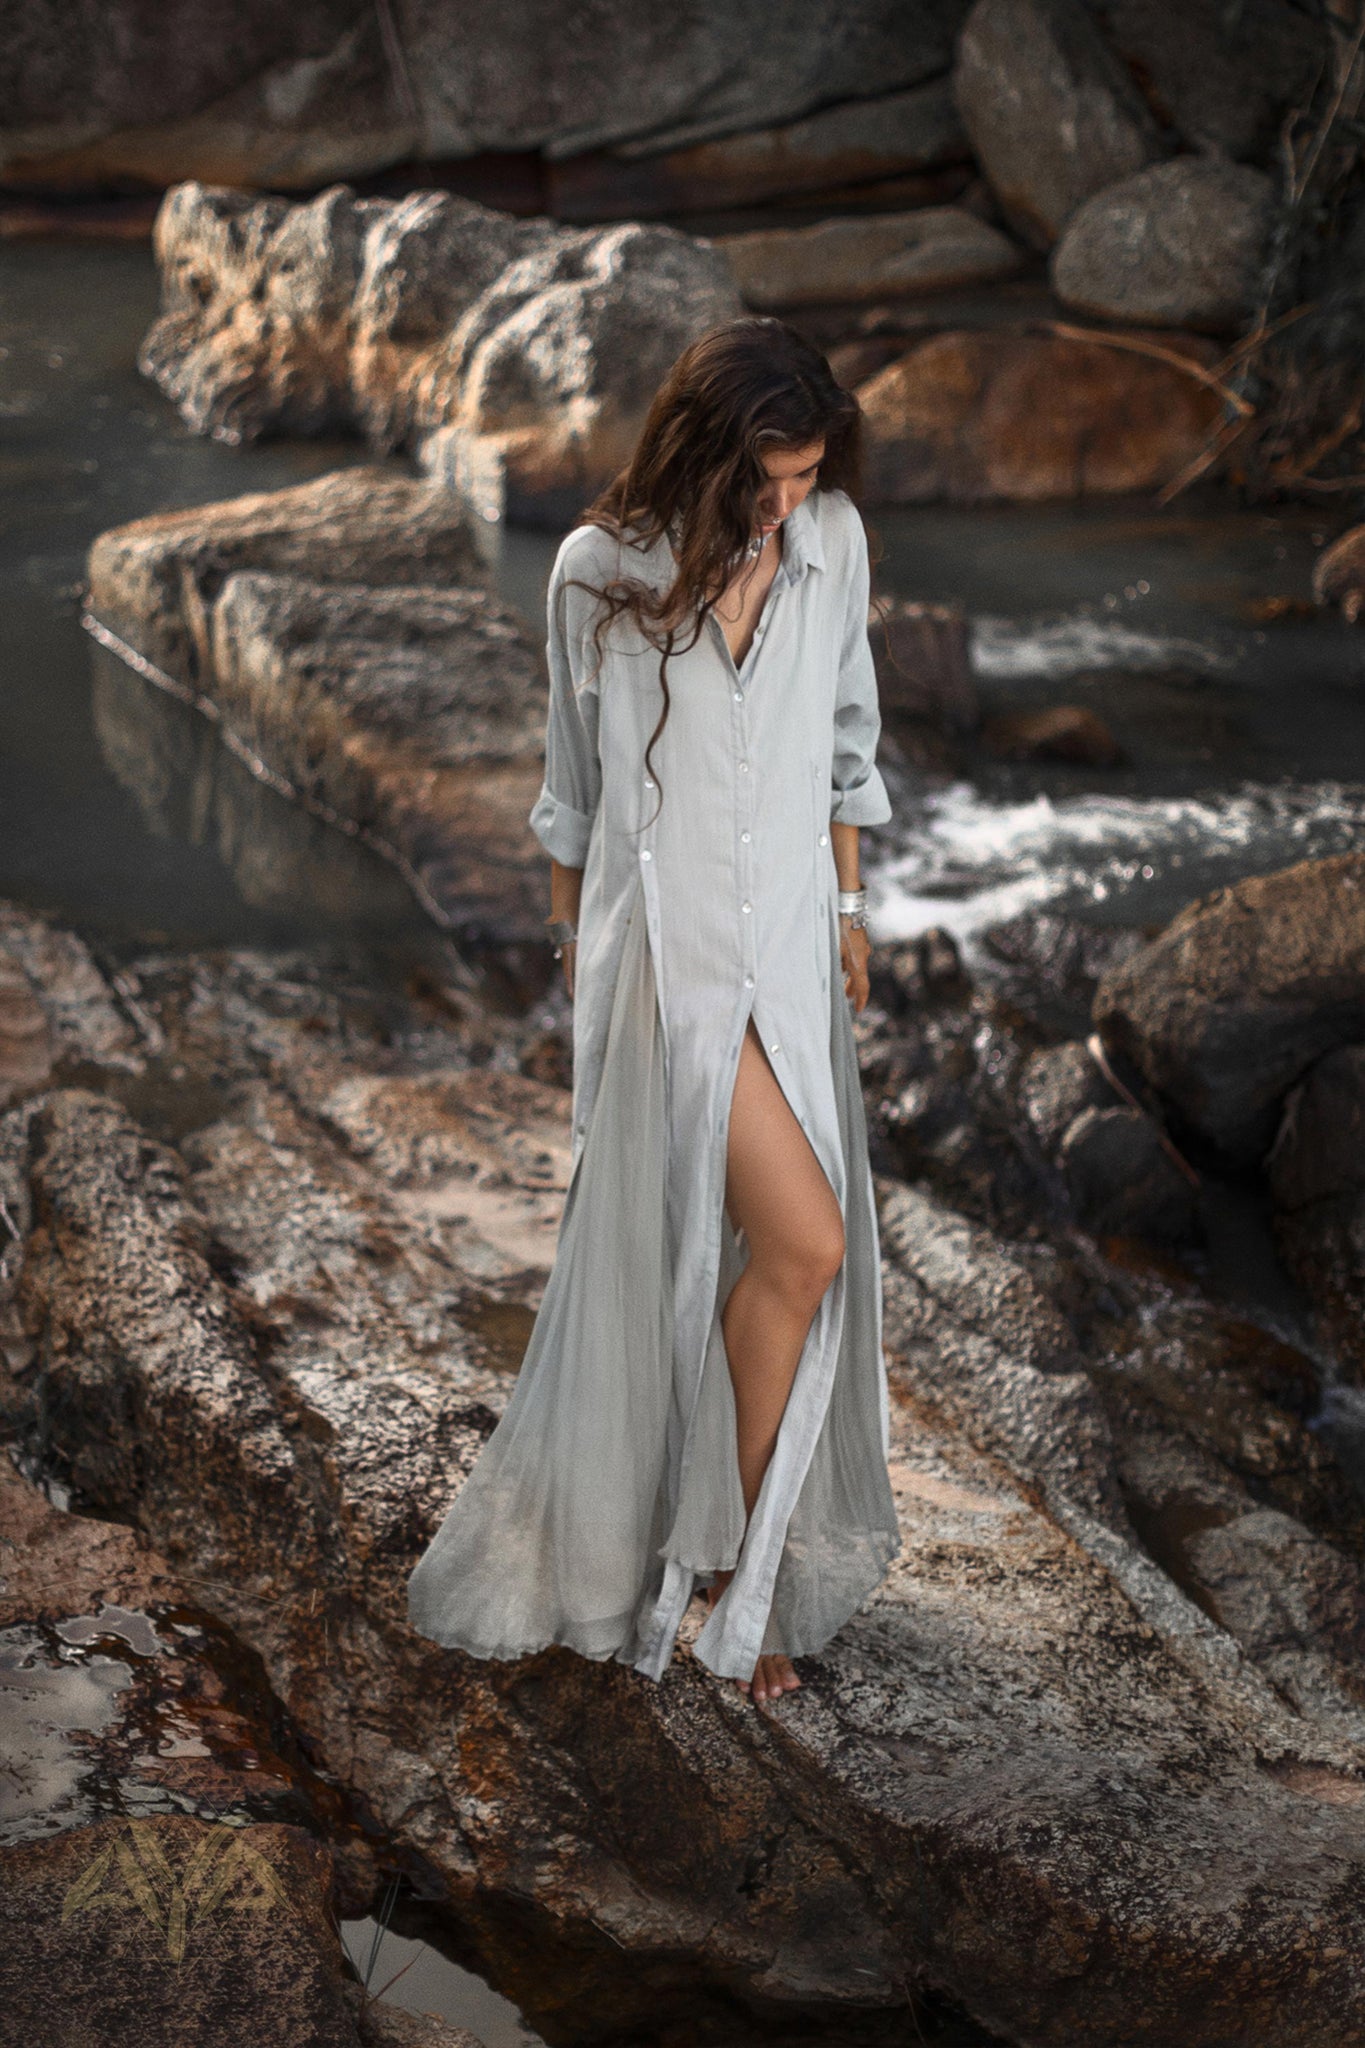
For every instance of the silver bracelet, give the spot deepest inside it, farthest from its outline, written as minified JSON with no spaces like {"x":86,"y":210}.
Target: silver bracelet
{"x":853,"y":906}
{"x":562,"y":932}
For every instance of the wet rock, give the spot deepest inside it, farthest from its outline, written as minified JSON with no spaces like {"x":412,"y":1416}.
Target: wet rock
{"x":1056,"y":1085}
{"x":335,"y":91}
{"x":1240,"y":994}
{"x":1120,"y":1178}
{"x":904,"y":975}
{"x":25,"y":1044}
{"x":1224,"y":84}
{"x":1339,"y":574}
{"x":156,"y":580}
{"x":875,"y":256}
{"x":408,"y":321}
{"x":508,"y":1790}
{"x":87,"y":1020}
{"x":1179,"y":244}
{"x":382,"y":2025}
{"x":853,"y":143}
{"x":973,"y":416}
{"x":158,"y":1931}
{"x":1316,"y":1170}
{"x":923,"y":663}
{"x":1057,"y":732}
{"x":1052,"y":114}
{"x":1319,"y":1149}
{"x":416,"y":715}
{"x":1050,"y":964}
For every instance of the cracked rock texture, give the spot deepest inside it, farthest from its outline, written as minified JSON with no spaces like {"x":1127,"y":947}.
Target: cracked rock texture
{"x":269,"y":1320}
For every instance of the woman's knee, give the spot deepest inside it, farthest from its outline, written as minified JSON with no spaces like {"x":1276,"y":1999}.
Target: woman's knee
{"x":804,"y":1261}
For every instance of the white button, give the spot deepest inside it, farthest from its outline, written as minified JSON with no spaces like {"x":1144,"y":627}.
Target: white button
{"x":743,"y":767}
{"x":645,"y":854}
{"x":582,"y":1127}
{"x":746,"y":908}
{"x":748,"y":981}
{"x":739,"y":696}
{"x":746,"y":836}
{"x":648,"y":783}
{"x":774,"y":1048}
{"x":824,"y":839}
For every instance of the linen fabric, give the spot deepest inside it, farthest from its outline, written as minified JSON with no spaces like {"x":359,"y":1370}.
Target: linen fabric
{"x":610,"y":1487}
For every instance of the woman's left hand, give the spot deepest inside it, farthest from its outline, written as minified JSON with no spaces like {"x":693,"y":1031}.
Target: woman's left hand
{"x":854,"y":948}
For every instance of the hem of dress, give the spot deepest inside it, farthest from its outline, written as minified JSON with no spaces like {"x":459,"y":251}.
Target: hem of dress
{"x":886,"y":1553}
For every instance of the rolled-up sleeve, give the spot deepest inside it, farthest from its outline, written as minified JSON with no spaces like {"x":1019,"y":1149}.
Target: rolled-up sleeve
{"x":859,"y":795}
{"x":563,"y":813}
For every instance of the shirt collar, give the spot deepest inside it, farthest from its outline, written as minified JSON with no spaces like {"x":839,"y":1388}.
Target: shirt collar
{"x":802,"y":549}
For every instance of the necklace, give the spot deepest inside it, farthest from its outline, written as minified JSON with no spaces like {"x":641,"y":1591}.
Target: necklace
{"x":748,"y":553}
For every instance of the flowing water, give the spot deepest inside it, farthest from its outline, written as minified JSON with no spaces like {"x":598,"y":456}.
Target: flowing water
{"x":1241,"y":714}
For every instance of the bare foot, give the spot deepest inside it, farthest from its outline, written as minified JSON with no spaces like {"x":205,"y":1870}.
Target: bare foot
{"x":773,"y":1674}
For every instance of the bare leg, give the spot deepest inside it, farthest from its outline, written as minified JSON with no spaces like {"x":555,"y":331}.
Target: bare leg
{"x":777,"y":1192}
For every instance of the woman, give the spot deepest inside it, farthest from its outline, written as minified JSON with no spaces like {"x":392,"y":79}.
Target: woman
{"x":703,"y":1399}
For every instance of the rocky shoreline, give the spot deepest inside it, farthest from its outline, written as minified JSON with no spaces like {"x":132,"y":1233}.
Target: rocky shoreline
{"x":277,"y":1242}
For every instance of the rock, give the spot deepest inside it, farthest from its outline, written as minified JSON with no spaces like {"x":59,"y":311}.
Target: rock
{"x":973,"y":416}
{"x":1319,"y":1149}
{"x":391,"y":2026}
{"x":1179,"y":244}
{"x":1316,"y":1170}
{"x":285,"y":103}
{"x":515,"y":358}
{"x":1024,"y":1638}
{"x":25,"y":1044}
{"x":923,"y":662}
{"x":158,"y":1931}
{"x":1052,"y":114}
{"x":156,"y":580}
{"x":415,"y":715}
{"x":1339,"y":574}
{"x":855,"y":143}
{"x":1240,"y":994}
{"x":874,"y":256}
{"x":904,"y":975}
{"x":1053,"y":732}
{"x":1223,"y":82}
{"x":1057,"y":1083}
{"x":1050,"y":963}
{"x":1121,"y":1180}
{"x":85,"y":1020}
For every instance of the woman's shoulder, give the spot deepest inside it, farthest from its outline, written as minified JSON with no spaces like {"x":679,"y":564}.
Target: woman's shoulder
{"x":591,"y":552}
{"x":839,"y":520}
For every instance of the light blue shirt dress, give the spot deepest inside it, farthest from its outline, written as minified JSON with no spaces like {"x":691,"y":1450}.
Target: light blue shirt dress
{"x":610,"y":1487}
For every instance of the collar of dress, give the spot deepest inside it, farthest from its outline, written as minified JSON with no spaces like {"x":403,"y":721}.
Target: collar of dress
{"x":802,"y":549}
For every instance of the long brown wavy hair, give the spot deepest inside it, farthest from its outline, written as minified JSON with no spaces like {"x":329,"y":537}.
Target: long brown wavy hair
{"x":751,"y":386}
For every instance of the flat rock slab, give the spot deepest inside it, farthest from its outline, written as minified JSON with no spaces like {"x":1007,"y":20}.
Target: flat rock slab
{"x":875,"y":256}
{"x":155,"y":581}
{"x":1240,"y":994}
{"x":340,"y":636}
{"x":968,"y":417}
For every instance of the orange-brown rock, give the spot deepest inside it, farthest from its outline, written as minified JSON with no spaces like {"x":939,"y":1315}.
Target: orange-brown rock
{"x":969,"y":416}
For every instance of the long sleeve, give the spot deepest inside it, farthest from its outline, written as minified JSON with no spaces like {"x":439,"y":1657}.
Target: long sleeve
{"x":563,"y":814}
{"x":859,"y":794}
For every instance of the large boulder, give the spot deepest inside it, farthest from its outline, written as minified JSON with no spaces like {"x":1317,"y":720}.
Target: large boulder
{"x":969,"y":416}
{"x":1240,"y":994}
{"x":285,"y":99}
{"x":896,"y":135}
{"x":1052,"y":114}
{"x":1223,"y":80}
{"x":481,"y":342}
{"x":1179,"y":244}
{"x":1316,"y":1170}
{"x":875,"y":256}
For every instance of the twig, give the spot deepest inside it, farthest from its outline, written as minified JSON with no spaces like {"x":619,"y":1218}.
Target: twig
{"x":1137,"y":345}
{"x":1094,"y":1045}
